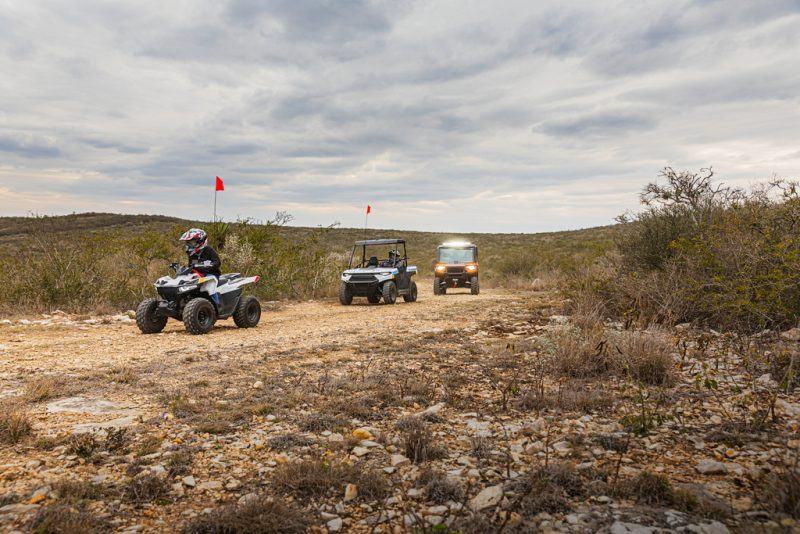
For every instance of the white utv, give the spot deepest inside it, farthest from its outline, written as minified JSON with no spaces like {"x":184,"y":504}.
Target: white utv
{"x":367,"y":276}
{"x":198,"y":301}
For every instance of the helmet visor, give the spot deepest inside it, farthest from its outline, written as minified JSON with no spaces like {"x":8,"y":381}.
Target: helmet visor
{"x":192,"y":243}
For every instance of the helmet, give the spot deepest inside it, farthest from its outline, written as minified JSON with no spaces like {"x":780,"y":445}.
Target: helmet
{"x":195,"y":239}
{"x":394,"y":255}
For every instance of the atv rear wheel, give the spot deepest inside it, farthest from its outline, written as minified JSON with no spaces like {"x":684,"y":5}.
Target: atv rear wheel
{"x":199,"y":316}
{"x":247,"y":312}
{"x":411,"y":296}
{"x":389,"y":292}
{"x":345,"y":295}
{"x":474,"y":285}
{"x":146,"y":318}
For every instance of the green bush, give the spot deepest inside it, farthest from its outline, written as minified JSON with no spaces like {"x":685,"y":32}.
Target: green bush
{"x":705,"y":253}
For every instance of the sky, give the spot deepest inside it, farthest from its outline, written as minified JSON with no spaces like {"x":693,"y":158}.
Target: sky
{"x":457,"y":116}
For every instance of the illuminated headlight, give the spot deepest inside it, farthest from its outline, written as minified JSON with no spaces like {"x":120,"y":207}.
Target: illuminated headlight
{"x":184,"y":289}
{"x":440,"y":268}
{"x":472,"y":268}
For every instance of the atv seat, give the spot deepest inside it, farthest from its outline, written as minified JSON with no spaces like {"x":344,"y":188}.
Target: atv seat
{"x":225,"y":278}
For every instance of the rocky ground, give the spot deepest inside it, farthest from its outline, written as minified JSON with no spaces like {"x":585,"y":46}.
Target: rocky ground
{"x":453,"y":414}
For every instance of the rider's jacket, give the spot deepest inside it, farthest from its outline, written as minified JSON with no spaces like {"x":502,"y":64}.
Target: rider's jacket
{"x":207,"y":254}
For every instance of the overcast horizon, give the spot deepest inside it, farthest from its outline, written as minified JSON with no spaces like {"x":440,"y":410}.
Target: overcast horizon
{"x":444,"y":116}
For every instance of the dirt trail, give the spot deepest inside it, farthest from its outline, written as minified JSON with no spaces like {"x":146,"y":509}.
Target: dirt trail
{"x":213,"y":421}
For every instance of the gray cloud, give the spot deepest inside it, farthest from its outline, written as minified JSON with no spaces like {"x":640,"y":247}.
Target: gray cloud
{"x":442,"y":115}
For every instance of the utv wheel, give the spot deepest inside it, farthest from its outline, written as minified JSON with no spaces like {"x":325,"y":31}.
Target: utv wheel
{"x":411,"y":296}
{"x":374,"y":298}
{"x":474,"y":285}
{"x":199,"y":316}
{"x":247,"y":312}
{"x":437,"y":286}
{"x":146,"y":318}
{"x":389,"y":292}
{"x":345,"y":295}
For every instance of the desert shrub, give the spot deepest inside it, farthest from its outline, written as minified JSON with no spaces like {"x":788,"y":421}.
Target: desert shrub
{"x":93,"y":270}
{"x":579,"y":354}
{"x":15,"y":424}
{"x":146,"y":487}
{"x":80,"y":490}
{"x":257,"y":516}
{"x":317,"y":477}
{"x":706,"y":253}
{"x":646,"y":356}
{"x":317,"y":422}
{"x":68,"y":518}
{"x":547,"y":489}
{"x":780,"y":492}
{"x":439,"y":488}
{"x":45,"y":388}
{"x":574,"y":395}
{"x":419,"y":442}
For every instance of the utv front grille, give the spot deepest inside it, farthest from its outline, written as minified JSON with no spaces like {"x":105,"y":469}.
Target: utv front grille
{"x":363,"y":278}
{"x":455,"y":270}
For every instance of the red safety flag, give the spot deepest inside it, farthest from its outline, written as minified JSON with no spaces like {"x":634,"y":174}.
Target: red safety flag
{"x":220,"y":185}
{"x":369,"y":209}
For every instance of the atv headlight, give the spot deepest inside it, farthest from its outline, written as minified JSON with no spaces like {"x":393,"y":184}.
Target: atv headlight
{"x":184,"y":289}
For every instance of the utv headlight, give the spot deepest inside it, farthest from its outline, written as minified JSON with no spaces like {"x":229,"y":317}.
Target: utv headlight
{"x":440,"y":268}
{"x":472,"y":268}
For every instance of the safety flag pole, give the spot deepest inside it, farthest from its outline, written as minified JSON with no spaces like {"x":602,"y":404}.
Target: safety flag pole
{"x":219,"y":187}
{"x":369,"y":210}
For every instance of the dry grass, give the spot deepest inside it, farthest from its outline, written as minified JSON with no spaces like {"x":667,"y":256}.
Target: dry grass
{"x":320,"y":477}
{"x":780,"y":492}
{"x":257,"y":516}
{"x":81,"y":490}
{"x":46,"y":388}
{"x":647,"y":357}
{"x":146,"y":487}
{"x":547,"y":489}
{"x":419,"y":443}
{"x":15,"y":424}
{"x":68,"y":518}
{"x":439,"y":488}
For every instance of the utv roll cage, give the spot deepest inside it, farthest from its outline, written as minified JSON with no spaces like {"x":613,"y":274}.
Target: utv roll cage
{"x":373,"y":261}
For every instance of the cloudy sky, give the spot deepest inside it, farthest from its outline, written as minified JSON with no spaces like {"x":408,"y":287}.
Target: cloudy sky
{"x":505,"y":116}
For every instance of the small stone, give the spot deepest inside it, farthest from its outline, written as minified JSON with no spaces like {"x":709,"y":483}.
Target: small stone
{"x":791,"y":335}
{"x":350,"y":492}
{"x":399,"y":459}
{"x":335,"y":525}
{"x":360,"y":451}
{"x":233,"y":484}
{"x":177,"y":489}
{"x":487,"y":498}
{"x":258,"y":384}
{"x":711,"y":467}
{"x":362,"y":433}
{"x":189,"y":481}
{"x":431,"y":410}
{"x":209,"y":485}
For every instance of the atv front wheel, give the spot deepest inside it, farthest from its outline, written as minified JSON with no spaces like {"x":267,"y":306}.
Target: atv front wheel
{"x":345,"y":295}
{"x":389,"y":292}
{"x":474,"y":285}
{"x":247,"y":312}
{"x":199,"y":316}
{"x":411,"y":296}
{"x":146,"y":318}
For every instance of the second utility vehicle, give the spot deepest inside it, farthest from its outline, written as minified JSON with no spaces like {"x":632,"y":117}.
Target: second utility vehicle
{"x":366,"y":276}
{"x":456,"y":266}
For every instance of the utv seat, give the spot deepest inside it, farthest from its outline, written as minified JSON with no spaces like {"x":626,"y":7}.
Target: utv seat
{"x":373,"y":261}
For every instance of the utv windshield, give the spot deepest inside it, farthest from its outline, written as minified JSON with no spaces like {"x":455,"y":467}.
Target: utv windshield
{"x":384,"y":255}
{"x":456,"y":255}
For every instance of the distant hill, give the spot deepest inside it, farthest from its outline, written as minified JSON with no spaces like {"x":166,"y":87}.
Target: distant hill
{"x":574,"y":244}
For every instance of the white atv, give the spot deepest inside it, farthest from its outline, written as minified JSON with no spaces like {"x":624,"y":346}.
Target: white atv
{"x":374,"y":279}
{"x":198,"y":301}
